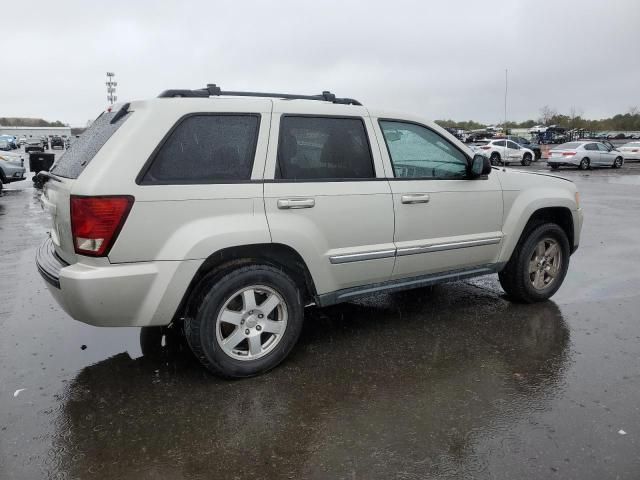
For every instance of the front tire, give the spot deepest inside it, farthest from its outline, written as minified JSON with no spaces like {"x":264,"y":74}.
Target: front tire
{"x":538,"y":264}
{"x":617,"y":163}
{"x":247,"y":322}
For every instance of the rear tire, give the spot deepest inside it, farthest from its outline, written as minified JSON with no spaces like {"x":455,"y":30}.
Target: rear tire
{"x":585,"y":164}
{"x":533,"y":273}
{"x":554,"y":167}
{"x":252,"y":311}
{"x":495,"y":158}
{"x":526,"y":159}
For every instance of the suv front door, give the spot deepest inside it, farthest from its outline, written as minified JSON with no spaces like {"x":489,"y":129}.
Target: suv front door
{"x":328,"y":199}
{"x":444,"y":221}
{"x":513,"y":151}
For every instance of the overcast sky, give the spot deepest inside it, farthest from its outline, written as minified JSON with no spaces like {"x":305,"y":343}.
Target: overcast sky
{"x":438,"y":59}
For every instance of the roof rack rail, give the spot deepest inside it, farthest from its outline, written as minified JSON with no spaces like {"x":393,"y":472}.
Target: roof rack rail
{"x":212,"y":90}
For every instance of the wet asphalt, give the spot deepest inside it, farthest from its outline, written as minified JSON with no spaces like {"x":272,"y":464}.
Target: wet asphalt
{"x":452,"y":381}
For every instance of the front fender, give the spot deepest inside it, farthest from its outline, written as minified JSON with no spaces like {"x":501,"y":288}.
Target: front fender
{"x":520,"y":207}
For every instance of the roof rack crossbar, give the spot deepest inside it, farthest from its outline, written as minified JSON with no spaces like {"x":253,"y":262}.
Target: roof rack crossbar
{"x":214,"y":90}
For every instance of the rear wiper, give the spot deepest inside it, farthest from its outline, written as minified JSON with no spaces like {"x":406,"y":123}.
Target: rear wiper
{"x":121,"y":113}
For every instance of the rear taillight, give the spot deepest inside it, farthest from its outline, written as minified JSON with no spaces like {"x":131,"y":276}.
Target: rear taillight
{"x":97,"y":221}
{"x":486,"y":147}
{"x":634,"y":150}
{"x":568,"y":154}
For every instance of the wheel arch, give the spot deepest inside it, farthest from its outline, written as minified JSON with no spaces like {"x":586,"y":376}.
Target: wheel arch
{"x":276,"y":255}
{"x":526,"y":213}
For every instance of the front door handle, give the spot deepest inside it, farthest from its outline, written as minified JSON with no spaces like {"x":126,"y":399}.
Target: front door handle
{"x":290,"y":203}
{"x":415,"y":198}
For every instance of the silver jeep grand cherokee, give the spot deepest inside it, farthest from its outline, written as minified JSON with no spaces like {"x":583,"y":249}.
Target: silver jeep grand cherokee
{"x":229,"y":212}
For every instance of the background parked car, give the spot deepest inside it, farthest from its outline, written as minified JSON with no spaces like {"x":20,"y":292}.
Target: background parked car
{"x":523,"y":142}
{"x":504,"y":152}
{"x":4,"y":145}
{"x":22,"y":140}
{"x":34,"y":145}
{"x":630,"y":151}
{"x":11,"y":169}
{"x":584,"y":155}
{"x":11,"y":140}
{"x":57,"y":142}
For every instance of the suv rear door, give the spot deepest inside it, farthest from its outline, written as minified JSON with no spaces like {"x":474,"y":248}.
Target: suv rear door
{"x":443,"y":220}
{"x":327,"y":197}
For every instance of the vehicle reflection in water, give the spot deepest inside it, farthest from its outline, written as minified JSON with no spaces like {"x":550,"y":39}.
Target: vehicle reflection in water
{"x":415,"y":383}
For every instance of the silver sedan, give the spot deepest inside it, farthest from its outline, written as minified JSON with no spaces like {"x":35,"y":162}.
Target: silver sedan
{"x":584,"y":155}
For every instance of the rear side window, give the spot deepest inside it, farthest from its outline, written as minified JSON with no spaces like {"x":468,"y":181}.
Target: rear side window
{"x":75,"y":159}
{"x":206,"y":148}
{"x":500,"y":143}
{"x":323,"y":148}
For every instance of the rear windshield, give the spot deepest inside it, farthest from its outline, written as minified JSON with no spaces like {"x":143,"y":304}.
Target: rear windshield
{"x":74,"y":160}
{"x":568,"y":146}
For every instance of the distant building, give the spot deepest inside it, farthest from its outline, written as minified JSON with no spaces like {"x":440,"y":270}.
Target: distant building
{"x":29,"y":132}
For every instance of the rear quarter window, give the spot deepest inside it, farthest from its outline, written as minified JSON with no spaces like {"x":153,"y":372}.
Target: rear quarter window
{"x":203,"y":149}
{"x":76,"y":158}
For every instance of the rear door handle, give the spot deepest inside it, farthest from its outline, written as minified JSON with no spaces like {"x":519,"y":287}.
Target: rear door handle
{"x":415,"y":198}
{"x":291,"y":203}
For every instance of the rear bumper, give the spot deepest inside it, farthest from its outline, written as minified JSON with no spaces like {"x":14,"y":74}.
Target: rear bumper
{"x":560,"y":163}
{"x":116,"y":295}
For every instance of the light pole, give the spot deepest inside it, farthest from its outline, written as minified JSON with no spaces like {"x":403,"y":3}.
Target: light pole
{"x":111,"y":88}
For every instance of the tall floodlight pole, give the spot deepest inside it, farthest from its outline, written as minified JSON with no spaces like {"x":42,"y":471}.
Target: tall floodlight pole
{"x":505,"y":100}
{"x":111,"y":88}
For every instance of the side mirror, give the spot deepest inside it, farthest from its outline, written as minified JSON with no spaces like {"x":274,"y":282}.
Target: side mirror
{"x":480,"y":165}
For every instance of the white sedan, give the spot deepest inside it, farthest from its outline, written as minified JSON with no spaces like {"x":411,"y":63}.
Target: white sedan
{"x":584,"y":155}
{"x":630,"y":151}
{"x":503,"y":152}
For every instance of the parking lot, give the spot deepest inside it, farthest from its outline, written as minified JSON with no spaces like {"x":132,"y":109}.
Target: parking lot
{"x":451,"y":381}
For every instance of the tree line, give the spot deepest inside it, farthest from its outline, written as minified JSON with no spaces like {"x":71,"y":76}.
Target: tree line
{"x":629,"y":121}
{"x":29,"y":122}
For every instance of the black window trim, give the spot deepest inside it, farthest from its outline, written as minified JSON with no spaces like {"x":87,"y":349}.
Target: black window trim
{"x":398,"y":120}
{"x":323,"y":180}
{"x":147,"y":165}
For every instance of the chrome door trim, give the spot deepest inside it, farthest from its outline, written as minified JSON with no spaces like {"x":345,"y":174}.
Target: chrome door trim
{"x":437,"y":247}
{"x":359,"y":257}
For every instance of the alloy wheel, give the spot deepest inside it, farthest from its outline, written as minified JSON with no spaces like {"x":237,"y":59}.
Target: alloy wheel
{"x":251,"y":322}
{"x":545,"y":263}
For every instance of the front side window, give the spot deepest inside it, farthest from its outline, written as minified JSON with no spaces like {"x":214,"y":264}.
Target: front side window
{"x":323,"y":148}
{"x":418,"y":152}
{"x":205,"y":149}
{"x":512,"y":145}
